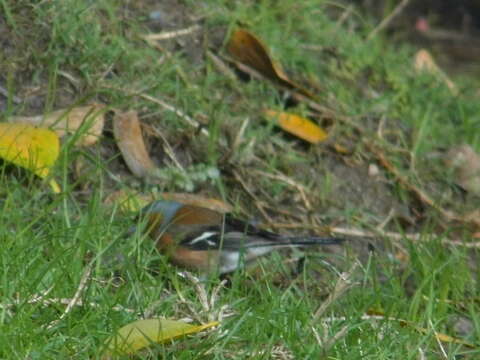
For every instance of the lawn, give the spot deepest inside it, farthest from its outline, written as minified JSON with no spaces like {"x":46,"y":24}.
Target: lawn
{"x":406,"y":276}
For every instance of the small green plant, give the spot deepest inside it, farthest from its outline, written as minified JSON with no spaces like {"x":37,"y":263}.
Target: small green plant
{"x":188,"y":179}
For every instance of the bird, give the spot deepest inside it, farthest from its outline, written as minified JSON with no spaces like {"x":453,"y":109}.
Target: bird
{"x":198,"y":238}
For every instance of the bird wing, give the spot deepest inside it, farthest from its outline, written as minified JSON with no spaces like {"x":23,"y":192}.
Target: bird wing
{"x":231,"y":235}
{"x":234,"y":235}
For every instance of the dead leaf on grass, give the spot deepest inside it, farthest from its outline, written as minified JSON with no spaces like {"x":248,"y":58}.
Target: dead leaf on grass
{"x":424,"y":62}
{"x":299,"y":126}
{"x":88,"y":120}
{"x":128,"y":134}
{"x":197,"y":200}
{"x":249,"y":50}
{"x":130,"y":201}
{"x":465,"y":164}
{"x":141,"y":333}
{"x":32,"y":148}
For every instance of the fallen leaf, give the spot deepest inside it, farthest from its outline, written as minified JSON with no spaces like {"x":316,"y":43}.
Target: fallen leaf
{"x":128,"y":134}
{"x":197,"y":200}
{"x":141,"y":333}
{"x":32,"y":148}
{"x":298,"y":126}
{"x":424,"y":62}
{"x":249,"y":50}
{"x":464,"y":163}
{"x":130,"y":201}
{"x":88,"y":120}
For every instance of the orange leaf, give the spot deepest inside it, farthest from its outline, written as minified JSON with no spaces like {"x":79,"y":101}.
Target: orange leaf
{"x":249,"y":50}
{"x":298,"y":126}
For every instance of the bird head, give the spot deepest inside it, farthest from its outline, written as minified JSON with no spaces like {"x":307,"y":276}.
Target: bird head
{"x":159,"y":214}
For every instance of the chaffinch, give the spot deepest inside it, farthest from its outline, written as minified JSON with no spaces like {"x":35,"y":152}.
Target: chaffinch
{"x":202,"y":239}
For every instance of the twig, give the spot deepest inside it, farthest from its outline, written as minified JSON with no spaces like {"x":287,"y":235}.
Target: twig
{"x":281,"y":177}
{"x":442,"y":349}
{"x":343,"y":284}
{"x":168,"y":149}
{"x":348,"y":11}
{"x":76,"y":297}
{"x":200,"y":289}
{"x":326,"y":344}
{"x":257,"y":202}
{"x":221,"y":65}
{"x":172,"y":34}
{"x":81,"y":287}
{"x":397,"y":236}
{"x":188,"y":119}
{"x":385,"y":22}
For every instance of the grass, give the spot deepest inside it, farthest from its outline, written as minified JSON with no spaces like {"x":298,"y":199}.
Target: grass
{"x":60,"y":53}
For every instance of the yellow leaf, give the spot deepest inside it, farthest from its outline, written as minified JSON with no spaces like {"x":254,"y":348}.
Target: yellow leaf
{"x":141,"y":333}
{"x":298,"y":126}
{"x":35,"y":149}
{"x":247,"y":49}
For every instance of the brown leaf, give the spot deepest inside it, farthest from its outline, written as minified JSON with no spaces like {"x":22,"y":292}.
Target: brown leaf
{"x":130,"y":201}
{"x":249,"y":50}
{"x":298,"y":126}
{"x":197,"y":200}
{"x":128,"y":134}
{"x":88,"y":119}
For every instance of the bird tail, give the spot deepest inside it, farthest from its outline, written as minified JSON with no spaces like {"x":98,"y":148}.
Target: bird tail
{"x":312,"y":240}
{"x":289,"y":241}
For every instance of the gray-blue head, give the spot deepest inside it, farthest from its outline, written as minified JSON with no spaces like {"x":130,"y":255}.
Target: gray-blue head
{"x":164,"y":208}
{"x":159,"y":212}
